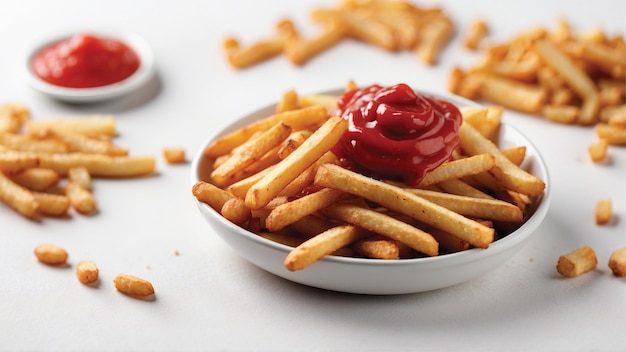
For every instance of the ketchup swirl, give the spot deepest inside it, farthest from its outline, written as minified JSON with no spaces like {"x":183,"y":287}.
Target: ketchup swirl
{"x":396,"y":133}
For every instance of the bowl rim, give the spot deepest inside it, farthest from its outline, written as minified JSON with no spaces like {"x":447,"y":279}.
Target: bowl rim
{"x":145,"y":71}
{"x":470,"y":255}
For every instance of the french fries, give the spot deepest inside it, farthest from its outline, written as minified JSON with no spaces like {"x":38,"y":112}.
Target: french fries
{"x":389,"y":25}
{"x":47,"y":166}
{"x":306,"y":200}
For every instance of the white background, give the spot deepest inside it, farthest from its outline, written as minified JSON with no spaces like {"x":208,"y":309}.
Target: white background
{"x":207,"y":297}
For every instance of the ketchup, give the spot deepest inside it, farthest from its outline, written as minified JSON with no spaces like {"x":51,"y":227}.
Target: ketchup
{"x":396,"y":133}
{"x":85,"y":61}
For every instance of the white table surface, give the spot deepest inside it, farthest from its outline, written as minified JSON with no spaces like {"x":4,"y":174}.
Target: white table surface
{"x":207,"y":297}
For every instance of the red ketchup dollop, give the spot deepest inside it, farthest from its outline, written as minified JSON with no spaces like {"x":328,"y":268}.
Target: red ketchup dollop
{"x":395,"y":133}
{"x":85,"y":61}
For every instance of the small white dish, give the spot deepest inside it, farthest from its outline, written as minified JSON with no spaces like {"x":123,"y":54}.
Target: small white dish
{"x":97,"y":94}
{"x":371,"y":276}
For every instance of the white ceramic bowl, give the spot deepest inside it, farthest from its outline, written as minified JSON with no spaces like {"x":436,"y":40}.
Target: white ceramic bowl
{"x":90,"y":95}
{"x":371,"y":276}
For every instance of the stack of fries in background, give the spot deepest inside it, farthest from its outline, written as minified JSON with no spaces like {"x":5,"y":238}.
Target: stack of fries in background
{"x":392,"y":26}
{"x":565,"y":75}
{"x":46,"y":167}
{"x":282,"y":181}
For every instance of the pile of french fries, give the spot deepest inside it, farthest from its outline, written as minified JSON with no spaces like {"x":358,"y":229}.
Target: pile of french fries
{"x":387,"y":24}
{"x":279,"y":178}
{"x":565,"y":75}
{"x":47,"y":166}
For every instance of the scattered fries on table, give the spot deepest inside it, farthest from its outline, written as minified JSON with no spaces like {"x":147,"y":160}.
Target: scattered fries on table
{"x":47,"y":166}
{"x":330,"y":210}
{"x":390,"y":25}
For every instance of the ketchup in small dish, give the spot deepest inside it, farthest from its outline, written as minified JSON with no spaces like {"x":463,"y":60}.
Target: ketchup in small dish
{"x":396,"y":133}
{"x":89,"y":66}
{"x":85,"y":61}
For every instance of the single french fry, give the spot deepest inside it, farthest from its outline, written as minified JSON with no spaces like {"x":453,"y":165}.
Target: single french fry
{"x":300,"y":50}
{"x":617,"y":262}
{"x":242,"y":57}
{"x":326,"y":100}
{"x":384,"y":225}
{"x":298,"y":119}
{"x":94,"y":125}
{"x":29,"y":143}
{"x":15,"y":161}
{"x":321,"y":245}
{"x":563,"y":64}
{"x":17,"y":197}
{"x":321,"y":141}
{"x":307,"y":176}
{"x":174,"y":155}
{"x":249,"y":153}
{"x":511,"y":93}
{"x":477,"y":31}
{"x":292,"y":143}
{"x":12,"y":117}
{"x":291,"y":212}
{"x":566,"y":114}
{"x":462,"y":188}
{"x":459,"y":168}
{"x":235,"y":210}
{"x":98,"y":165}
{"x":598,"y":150}
{"x":491,"y":209}
{"x":288,"y":101}
{"x":378,"y":248}
{"x":241,"y":187}
{"x":80,"y":175}
{"x":84,"y":144}
{"x":404,"y":202}
{"x":577,"y":262}
{"x":511,"y":175}
{"x":52,"y":204}
{"x":36,"y":178}
{"x":515,"y":154}
{"x":81,"y":199}
{"x":210,"y":194}
{"x":590,"y":110}
{"x":604,"y":212}
{"x":614,"y":135}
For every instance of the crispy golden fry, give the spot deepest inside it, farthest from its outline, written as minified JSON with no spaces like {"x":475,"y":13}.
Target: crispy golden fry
{"x":293,"y":211}
{"x":598,"y":150}
{"x":327,"y":101}
{"x":510,"y":93}
{"x":51,"y":254}
{"x":14,"y":161}
{"x":36,"y":178}
{"x":81,"y":199}
{"x":486,"y":120}
{"x":462,"y":188}
{"x":250,"y":152}
{"x":321,"y":141}
{"x":241,"y":187}
{"x":95,"y":125}
{"x":478,"y":30}
{"x":210,"y":194}
{"x":433,"y":39}
{"x":289,"y":101}
{"x":459,"y":168}
{"x":516,"y":154}
{"x":174,"y":155}
{"x":235,"y":210}
{"x":307,"y":176}
{"x":77,"y":142}
{"x":378,"y":248}
{"x":577,"y":262}
{"x":604,"y":212}
{"x":28,"y":143}
{"x":299,"y":119}
{"x":259,"y":51}
{"x":614,"y":135}
{"x":52,"y":204}
{"x":321,"y":245}
{"x":491,"y":209}
{"x":617,"y":262}
{"x":511,"y":175}
{"x":87,"y":272}
{"x":299,"y":50}
{"x":292,"y":143}
{"x":17,"y":197}
{"x":566,"y":114}
{"x":98,"y":165}
{"x":133,"y":285}
{"x":404,"y":202}
{"x":384,"y":225}
{"x":12,"y":117}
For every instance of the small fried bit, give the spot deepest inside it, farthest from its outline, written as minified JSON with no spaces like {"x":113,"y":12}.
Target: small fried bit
{"x":174,"y":155}
{"x":87,"y":272}
{"x":133,"y":285}
{"x":51,"y":254}
{"x":617,"y":262}
{"x":577,"y":262}
{"x":598,"y":150}
{"x":604,"y":212}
